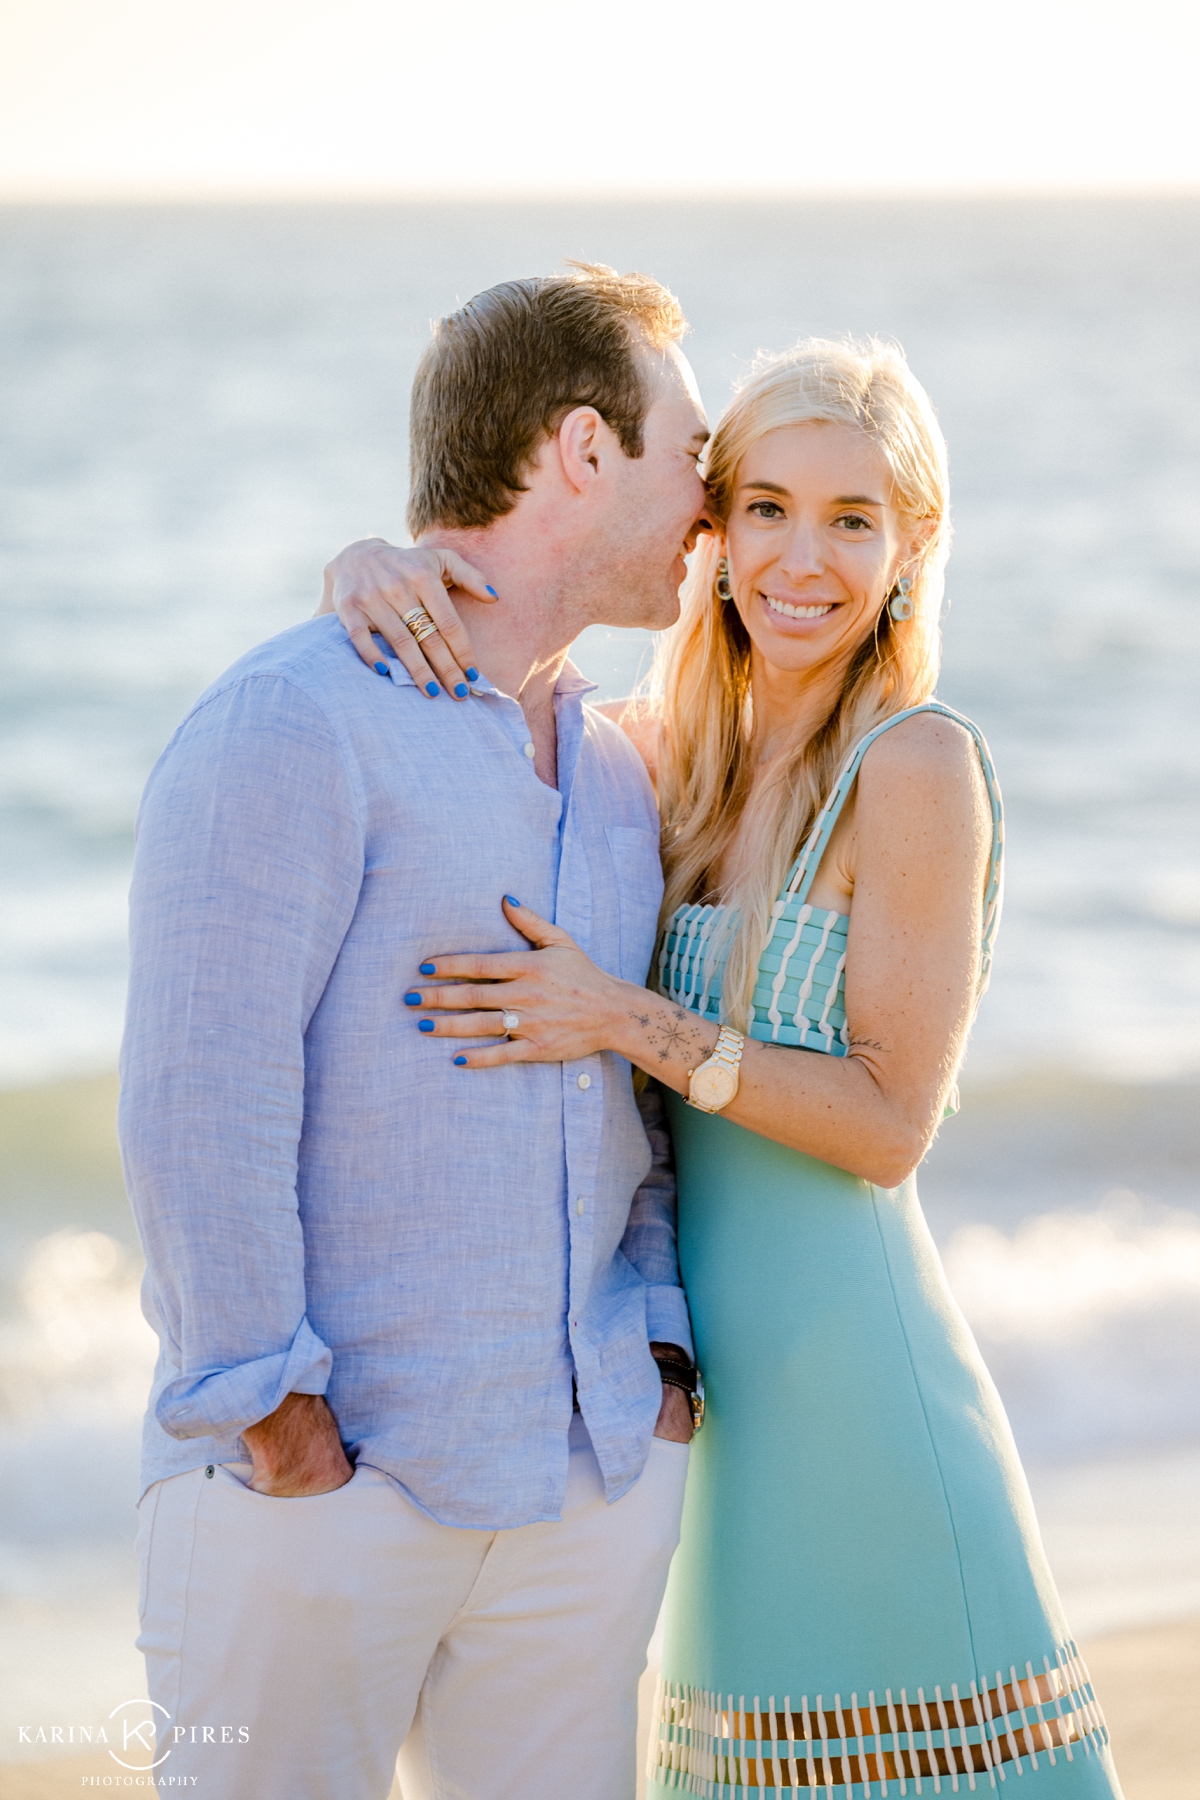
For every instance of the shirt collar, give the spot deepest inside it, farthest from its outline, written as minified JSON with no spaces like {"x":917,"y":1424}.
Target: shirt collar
{"x":570,"y":683}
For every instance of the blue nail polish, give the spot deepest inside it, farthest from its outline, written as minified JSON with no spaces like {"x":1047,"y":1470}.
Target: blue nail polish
{"x":412,"y":1000}
{"x":425,"y":1025}
{"x":461,"y":690}
{"x":472,"y":674}
{"x":431,"y":687}
{"x":381,"y":668}
{"x":429,"y":968}
{"x":511,"y":901}
{"x":461,"y":1061}
{"x":491,"y":590}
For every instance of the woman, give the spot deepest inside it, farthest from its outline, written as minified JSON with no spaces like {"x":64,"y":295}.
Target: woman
{"x":860,"y":1595}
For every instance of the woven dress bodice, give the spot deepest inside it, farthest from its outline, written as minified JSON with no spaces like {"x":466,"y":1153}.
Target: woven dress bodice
{"x":799,"y":996}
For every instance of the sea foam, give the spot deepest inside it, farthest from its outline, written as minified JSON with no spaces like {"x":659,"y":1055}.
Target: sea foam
{"x":1089,"y":1322}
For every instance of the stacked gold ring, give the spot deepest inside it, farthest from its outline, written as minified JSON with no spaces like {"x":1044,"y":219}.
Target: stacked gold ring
{"x":419,"y":623}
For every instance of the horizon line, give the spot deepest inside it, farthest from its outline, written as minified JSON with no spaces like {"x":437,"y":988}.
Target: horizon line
{"x":362,"y":194}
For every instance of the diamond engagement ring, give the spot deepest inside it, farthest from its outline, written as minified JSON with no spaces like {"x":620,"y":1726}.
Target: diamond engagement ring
{"x":510,"y":1021}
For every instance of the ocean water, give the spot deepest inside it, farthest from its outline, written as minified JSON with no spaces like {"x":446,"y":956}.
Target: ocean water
{"x":201,"y":404}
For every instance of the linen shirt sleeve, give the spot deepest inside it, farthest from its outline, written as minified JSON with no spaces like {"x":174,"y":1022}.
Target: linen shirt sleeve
{"x":248,"y":870}
{"x":649,"y":1240}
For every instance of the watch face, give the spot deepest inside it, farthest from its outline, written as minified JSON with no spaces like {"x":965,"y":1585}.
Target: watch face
{"x":713,"y":1085}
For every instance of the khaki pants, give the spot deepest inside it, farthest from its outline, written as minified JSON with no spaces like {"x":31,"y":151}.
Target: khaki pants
{"x":293,"y":1646}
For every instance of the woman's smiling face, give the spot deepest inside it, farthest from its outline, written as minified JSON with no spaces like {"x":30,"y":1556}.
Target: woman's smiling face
{"x":815,"y":543}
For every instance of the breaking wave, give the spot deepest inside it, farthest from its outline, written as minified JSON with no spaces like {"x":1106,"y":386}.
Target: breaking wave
{"x":1090,"y":1324}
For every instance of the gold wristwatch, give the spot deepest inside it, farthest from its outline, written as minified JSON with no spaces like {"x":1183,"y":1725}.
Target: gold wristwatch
{"x":715,"y":1082}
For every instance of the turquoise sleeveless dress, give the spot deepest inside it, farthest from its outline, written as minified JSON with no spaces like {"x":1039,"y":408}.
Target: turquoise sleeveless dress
{"x":860,"y":1601}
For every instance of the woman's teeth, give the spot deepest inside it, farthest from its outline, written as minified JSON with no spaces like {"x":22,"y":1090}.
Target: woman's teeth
{"x":799,"y":612}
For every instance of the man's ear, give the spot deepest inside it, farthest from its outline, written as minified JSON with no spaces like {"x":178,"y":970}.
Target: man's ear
{"x":583,"y":438}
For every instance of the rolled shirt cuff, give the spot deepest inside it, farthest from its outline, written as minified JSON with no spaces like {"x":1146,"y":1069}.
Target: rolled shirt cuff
{"x":667,"y":1319}
{"x":222,"y":1402}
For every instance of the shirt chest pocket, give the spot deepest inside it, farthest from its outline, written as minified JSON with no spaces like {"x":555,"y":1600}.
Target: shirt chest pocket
{"x":638,"y":875}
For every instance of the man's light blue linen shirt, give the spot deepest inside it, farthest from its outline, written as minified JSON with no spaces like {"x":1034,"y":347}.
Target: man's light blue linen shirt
{"x":329,"y":1205}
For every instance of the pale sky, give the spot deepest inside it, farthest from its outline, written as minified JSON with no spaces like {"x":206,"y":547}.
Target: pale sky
{"x":127,"y":98}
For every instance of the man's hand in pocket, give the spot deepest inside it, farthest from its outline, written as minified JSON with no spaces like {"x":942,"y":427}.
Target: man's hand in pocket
{"x":296,"y":1450}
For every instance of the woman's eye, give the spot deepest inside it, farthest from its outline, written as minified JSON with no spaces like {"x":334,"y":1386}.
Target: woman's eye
{"x":855,"y":522}
{"x":767,"y":509}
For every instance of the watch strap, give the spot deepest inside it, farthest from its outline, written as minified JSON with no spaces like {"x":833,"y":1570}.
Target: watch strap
{"x":688,"y":1379}
{"x":679,"y":1375}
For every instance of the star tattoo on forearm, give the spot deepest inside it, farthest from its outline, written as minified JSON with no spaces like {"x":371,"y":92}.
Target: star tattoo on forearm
{"x":679,"y":1035}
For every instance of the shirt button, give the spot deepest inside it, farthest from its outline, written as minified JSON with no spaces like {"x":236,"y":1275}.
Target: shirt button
{"x":530,"y":752}
{"x":584,"y":1081}
{"x":579,"y":1206}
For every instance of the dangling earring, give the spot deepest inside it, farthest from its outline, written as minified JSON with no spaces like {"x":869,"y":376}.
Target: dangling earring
{"x":900,"y":606}
{"x":724,"y":590}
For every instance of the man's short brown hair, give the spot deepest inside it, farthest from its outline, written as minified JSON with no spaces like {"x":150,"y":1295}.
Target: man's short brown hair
{"x":503,"y":372}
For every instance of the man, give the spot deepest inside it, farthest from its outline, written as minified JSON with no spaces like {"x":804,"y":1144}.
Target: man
{"x":371,"y":1513}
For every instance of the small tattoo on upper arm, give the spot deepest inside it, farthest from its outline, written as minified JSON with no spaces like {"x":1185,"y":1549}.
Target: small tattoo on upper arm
{"x":864,"y":1044}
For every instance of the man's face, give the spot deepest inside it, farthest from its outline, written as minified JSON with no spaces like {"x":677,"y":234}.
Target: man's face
{"x":655,"y":504}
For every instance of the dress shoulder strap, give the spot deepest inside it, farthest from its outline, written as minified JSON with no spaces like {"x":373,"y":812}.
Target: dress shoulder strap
{"x":804,"y":869}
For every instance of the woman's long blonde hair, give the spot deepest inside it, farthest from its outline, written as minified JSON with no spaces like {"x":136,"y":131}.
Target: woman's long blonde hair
{"x":702,"y":674}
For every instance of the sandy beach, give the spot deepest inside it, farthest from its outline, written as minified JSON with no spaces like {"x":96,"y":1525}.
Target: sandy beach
{"x":1147,"y":1681}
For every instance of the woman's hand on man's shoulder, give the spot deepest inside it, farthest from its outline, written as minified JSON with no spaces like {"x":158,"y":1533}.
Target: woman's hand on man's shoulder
{"x":371,"y":584}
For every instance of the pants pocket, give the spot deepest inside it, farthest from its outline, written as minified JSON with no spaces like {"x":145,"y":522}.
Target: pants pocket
{"x":235,"y":1478}
{"x":146,"y":1509}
